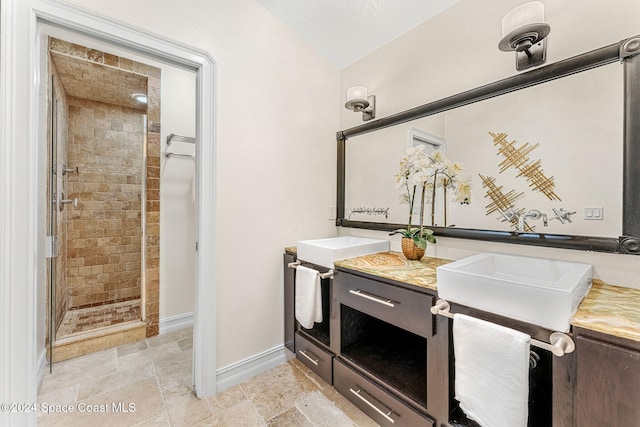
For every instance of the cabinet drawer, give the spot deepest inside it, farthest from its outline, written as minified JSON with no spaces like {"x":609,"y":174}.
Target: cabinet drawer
{"x":406,"y":309}
{"x":318,"y":360}
{"x":383,"y":408}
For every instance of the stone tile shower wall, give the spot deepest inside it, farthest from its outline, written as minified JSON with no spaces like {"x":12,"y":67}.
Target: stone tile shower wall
{"x":104,"y":236}
{"x":152,"y":179}
{"x":152,"y":304}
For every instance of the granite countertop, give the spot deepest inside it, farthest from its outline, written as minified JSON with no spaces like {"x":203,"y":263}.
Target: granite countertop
{"x":612,"y":310}
{"x":394,"y":266}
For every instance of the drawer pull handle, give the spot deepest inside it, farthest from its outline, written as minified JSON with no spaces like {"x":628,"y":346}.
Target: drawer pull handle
{"x":379,"y":300}
{"x":385,"y":413}
{"x":313,"y":359}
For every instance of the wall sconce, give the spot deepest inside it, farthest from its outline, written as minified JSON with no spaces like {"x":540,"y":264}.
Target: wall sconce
{"x":524,"y":31}
{"x":358,"y":101}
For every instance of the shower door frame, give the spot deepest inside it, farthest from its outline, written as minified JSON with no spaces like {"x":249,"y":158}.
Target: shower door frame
{"x":21,"y":157}
{"x":55,"y":209}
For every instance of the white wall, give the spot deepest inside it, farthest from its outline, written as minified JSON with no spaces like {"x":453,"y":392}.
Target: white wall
{"x":457,"y":51}
{"x":177,"y":197}
{"x":276,"y":120}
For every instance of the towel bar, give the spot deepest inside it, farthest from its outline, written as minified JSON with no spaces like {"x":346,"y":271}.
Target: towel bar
{"x":328,"y":274}
{"x":559,"y":345}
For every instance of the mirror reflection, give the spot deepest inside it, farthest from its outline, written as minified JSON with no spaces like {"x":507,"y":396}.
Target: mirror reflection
{"x":544,"y":159}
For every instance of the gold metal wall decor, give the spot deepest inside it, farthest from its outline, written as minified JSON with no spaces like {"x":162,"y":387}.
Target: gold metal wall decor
{"x":518,"y":158}
{"x":502,"y":202}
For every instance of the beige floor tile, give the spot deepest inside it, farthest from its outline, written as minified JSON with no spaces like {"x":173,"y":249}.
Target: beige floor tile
{"x":155,"y":375}
{"x":160,"y":420}
{"x":74,"y":371}
{"x":349,"y":409}
{"x":159,"y":340}
{"x":133,"y":347}
{"x":59,"y":396}
{"x":114,"y":381}
{"x":209,"y":422}
{"x":322,"y":384}
{"x":290,"y":418}
{"x":145,"y":395}
{"x":186,"y":343}
{"x":229,"y":397}
{"x":174,"y":374}
{"x":277,"y":390}
{"x":241,"y":415}
{"x":322,"y":412}
{"x":139,"y":357}
{"x":187,"y":410}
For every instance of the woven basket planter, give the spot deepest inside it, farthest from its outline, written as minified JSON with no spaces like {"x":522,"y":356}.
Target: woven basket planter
{"x":410,"y":250}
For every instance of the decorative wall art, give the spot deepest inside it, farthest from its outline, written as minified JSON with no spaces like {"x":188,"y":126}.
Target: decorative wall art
{"x":518,"y":158}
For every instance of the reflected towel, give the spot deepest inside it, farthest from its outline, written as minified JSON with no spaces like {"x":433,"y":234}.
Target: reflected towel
{"x":308,"y":297}
{"x":492,"y":372}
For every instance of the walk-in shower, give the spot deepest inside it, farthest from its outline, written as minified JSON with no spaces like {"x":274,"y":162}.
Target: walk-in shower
{"x":104,"y":192}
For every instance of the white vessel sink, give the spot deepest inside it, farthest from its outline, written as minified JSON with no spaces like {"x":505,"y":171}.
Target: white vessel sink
{"x":325,"y":251}
{"x":541,"y":291}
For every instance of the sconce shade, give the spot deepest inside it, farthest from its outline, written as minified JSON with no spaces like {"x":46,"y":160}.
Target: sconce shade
{"x":360,"y":101}
{"x":523,"y":26}
{"x":524,"y":31}
{"x":357,"y":98}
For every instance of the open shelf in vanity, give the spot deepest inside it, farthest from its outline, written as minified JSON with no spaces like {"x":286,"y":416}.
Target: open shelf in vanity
{"x":395,"y":356}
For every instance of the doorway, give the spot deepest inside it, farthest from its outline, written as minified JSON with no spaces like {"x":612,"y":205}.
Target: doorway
{"x":85,"y":24}
{"x":23,"y":159}
{"x":103,"y":193}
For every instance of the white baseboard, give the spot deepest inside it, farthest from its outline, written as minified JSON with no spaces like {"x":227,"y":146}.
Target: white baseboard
{"x":42,"y":365}
{"x":174,"y":323}
{"x":248,"y":368}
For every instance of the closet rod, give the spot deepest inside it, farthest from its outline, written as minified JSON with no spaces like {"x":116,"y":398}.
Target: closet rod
{"x":560,"y":343}
{"x":170,"y":155}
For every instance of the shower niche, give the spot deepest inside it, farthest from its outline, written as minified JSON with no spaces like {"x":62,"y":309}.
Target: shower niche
{"x":103,"y":188}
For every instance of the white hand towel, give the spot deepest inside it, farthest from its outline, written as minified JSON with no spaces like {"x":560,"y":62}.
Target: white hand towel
{"x":308,"y":304}
{"x":492,"y":372}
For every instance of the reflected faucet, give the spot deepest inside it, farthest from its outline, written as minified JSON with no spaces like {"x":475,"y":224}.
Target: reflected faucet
{"x":562,"y":215}
{"x":533,"y":214}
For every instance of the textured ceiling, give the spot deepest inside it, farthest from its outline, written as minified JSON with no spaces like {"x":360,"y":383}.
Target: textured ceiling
{"x":346,"y":30}
{"x":96,"y":82}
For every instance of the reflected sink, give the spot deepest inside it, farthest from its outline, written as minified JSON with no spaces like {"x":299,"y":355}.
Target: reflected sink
{"x":541,"y":291}
{"x":325,"y":251}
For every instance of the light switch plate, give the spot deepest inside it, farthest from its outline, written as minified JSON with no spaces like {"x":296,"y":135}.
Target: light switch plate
{"x":594,"y":213}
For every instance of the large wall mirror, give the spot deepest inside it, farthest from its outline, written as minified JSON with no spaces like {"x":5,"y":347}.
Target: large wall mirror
{"x":562,"y":140}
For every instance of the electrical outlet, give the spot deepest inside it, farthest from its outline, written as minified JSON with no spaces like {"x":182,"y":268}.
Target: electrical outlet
{"x":594,"y":213}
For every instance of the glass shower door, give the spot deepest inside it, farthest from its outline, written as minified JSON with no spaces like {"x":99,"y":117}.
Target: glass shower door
{"x":52,"y":220}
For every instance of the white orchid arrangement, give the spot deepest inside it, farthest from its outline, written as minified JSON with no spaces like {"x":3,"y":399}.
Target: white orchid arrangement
{"x":422,"y":173}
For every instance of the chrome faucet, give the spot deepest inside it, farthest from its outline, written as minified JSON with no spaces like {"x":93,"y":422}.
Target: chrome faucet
{"x":533,"y":214}
{"x":509,"y":214}
{"x":562,"y":215}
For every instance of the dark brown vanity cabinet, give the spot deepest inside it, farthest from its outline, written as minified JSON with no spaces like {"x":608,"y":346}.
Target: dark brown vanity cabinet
{"x":289,"y":303}
{"x":388,"y":358}
{"x":311,"y":346}
{"x":607,"y":389}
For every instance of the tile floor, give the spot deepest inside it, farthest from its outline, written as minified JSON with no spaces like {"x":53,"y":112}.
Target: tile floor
{"x":86,"y":319}
{"x":154,"y":375}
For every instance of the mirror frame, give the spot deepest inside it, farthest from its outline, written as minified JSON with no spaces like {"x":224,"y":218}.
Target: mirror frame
{"x":625,"y":51}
